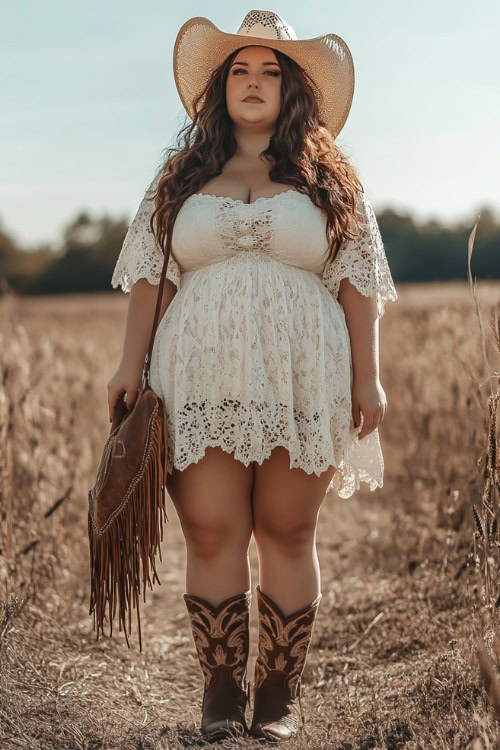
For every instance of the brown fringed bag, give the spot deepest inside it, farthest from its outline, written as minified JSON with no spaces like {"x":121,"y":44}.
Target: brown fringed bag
{"x":127,"y":503}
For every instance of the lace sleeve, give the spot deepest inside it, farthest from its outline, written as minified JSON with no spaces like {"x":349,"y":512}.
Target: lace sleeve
{"x":363,"y":261}
{"x":140,"y":256}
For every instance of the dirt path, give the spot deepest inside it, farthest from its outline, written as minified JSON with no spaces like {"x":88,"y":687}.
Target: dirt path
{"x":388,"y":664}
{"x":381,"y":638}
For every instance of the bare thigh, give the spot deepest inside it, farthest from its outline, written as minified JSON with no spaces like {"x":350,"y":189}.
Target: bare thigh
{"x":213,"y":501}
{"x":286,"y":502}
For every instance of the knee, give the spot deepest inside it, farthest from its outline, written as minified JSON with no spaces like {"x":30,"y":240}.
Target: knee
{"x":212,"y":541}
{"x":285,"y":537}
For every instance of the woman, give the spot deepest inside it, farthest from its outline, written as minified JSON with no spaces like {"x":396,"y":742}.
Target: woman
{"x":266,"y":354}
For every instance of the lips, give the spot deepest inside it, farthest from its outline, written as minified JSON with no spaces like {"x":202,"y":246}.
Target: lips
{"x":252,"y":99}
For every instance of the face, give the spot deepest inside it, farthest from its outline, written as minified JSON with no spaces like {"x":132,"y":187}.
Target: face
{"x":254,"y":71}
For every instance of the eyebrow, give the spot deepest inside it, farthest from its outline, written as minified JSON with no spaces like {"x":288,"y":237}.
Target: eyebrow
{"x":238,"y":62}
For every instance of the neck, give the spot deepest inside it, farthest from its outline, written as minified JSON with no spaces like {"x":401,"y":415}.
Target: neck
{"x":250,"y":143}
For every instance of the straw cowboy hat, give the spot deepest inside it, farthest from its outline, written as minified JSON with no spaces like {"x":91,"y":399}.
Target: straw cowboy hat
{"x":200,"y":47}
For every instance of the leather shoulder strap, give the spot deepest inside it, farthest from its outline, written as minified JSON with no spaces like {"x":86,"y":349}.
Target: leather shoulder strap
{"x":147,"y":359}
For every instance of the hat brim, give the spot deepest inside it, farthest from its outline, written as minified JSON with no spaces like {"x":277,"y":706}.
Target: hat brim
{"x":200,"y":47}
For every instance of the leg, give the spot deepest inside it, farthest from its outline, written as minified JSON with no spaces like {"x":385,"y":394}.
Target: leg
{"x":213,"y":501}
{"x":286,"y":505}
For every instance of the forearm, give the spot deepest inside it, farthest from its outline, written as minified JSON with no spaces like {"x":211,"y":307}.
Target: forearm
{"x":361,"y":319}
{"x":140,"y":315}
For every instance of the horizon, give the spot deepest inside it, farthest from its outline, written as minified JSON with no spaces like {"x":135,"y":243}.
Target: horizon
{"x":90,"y":104}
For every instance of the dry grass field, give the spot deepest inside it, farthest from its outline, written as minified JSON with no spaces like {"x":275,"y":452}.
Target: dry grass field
{"x":409,"y":575}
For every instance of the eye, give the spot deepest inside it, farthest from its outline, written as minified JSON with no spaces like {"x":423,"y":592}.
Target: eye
{"x":274,"y":73}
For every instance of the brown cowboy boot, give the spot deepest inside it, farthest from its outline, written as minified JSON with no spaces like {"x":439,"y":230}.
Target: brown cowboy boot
{"x":221,"y":636}
{"x":283,"y":646}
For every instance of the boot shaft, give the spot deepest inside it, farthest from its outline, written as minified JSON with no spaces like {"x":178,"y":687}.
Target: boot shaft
{"x":283,"y":642}
{"x":221,"y":634}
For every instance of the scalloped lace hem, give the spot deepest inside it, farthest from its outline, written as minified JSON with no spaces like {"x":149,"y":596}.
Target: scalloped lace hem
{"x":344,"y":482}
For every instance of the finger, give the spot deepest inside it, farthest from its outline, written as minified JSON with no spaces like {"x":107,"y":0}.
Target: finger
{"x":113,"y":397}
{"x":131,"y":397}
{"x":378,"y":416}
{"x":111,"y":406}
{"x":367,"y":426}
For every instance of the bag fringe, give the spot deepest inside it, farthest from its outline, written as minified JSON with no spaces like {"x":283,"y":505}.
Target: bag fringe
{"x":132,"y":536}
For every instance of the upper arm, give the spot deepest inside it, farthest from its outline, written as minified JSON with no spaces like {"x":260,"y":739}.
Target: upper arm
{"x":140,"y":256}
{"x":363,"y":262}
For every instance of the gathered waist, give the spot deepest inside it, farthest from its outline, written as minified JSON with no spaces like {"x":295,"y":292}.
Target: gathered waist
{"x":250,"y":258}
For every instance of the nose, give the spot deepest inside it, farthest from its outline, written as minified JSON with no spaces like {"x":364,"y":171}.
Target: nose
{"x":252,"y":83}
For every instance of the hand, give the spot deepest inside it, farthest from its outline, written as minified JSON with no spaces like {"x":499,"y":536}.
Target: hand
{"x":368,"y":397}
{"x":126,"y":380}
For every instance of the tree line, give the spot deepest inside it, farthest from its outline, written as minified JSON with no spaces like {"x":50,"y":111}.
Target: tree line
{"x":85,"y":259}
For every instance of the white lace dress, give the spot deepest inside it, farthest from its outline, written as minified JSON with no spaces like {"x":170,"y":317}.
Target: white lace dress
{"x":254,"y":351}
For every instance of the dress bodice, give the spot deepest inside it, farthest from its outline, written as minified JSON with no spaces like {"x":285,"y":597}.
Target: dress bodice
{"x":286,"y":226}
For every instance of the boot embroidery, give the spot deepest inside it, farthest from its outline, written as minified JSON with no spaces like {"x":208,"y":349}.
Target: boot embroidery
{"x":231,"y":627}
{"x":280,"y":662}
{"x":294,"y":636}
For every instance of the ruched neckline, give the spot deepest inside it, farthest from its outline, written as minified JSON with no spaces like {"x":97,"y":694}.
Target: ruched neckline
{"x":228,"y":198}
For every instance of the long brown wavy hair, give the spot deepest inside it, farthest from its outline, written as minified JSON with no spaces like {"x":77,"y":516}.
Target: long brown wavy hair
{"x":302,"y":153}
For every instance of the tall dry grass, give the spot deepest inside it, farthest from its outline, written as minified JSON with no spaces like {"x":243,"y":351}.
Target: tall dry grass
{"x":409,"y":584}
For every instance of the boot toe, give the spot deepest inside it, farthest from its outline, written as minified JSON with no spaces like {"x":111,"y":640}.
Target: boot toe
{"x":224,"y":728}
{"x":273,"y":731}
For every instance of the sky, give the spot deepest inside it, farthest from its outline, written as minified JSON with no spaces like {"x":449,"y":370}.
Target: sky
{"x":89,"y":103}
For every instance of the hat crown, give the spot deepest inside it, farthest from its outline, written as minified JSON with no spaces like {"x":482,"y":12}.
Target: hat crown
{"x":266,"y":24}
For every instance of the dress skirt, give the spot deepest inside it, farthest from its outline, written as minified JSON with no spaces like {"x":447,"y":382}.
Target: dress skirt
{"x":253,"y":353}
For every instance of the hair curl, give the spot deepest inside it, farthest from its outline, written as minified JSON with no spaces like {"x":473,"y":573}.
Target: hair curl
{"x":302,"y":153}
